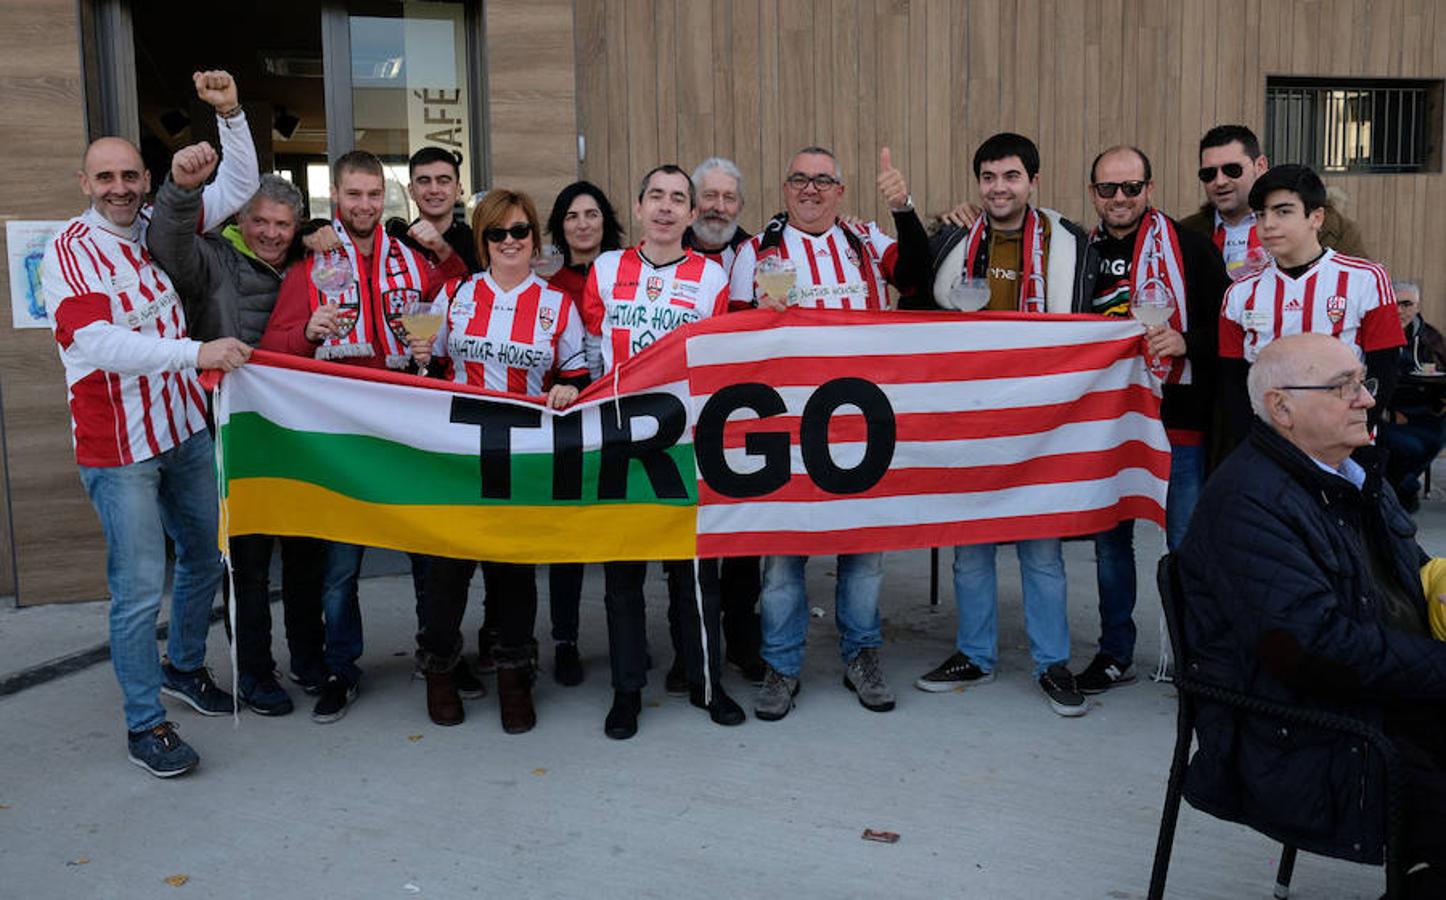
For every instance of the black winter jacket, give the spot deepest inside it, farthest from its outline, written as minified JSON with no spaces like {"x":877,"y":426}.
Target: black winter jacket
{"x":1281,"y":603}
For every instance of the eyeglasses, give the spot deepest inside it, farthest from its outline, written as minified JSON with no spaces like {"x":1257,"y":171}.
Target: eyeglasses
{"x":1346,"y":390}
{"x":798,"y":181}
{"x":1231,"y":170}
{"x":1106,"y":189}
{"x":516,"y":232}
{"x":1405,"y":304}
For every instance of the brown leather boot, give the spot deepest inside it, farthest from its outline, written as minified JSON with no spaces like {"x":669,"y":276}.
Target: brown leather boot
{"x":514,"y":694}
{"x":444,"y":705}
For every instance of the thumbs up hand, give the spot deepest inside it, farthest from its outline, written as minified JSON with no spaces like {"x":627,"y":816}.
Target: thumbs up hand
{"x":892,"y":186}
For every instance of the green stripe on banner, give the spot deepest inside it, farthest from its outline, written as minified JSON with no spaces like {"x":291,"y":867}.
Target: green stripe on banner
{"x":382,"y":471}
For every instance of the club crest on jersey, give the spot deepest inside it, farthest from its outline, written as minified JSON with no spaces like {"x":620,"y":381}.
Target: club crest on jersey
{"x":654,"y":287}
{"x":1335,"y":308}
{"x":546,"y":318}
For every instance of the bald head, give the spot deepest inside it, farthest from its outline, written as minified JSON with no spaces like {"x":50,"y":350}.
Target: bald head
{"x":1308,"y":388}
{"x":115,"y":179}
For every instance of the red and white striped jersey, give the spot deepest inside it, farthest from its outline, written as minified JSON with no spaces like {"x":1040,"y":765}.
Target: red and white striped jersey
{"x":129,"y":366}
{"x":829,"y":274}
{"x":629,"y":302}
{"x":515,"y":341}
{"x":1235,"y":241}
{"x":1339,"y":295}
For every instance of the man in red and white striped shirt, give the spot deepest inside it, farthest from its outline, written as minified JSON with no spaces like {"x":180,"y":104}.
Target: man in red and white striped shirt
{"x":1305,"y":288}
{"x":138,"y":418}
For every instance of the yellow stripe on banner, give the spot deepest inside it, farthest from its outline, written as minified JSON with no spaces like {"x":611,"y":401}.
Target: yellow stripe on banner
{"x":523,"y":534}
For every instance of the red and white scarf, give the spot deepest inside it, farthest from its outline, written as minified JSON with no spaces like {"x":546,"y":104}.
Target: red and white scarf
{"x":1157,"y":258}
{"x":378,"y":294}
{"x":1031,"y":279}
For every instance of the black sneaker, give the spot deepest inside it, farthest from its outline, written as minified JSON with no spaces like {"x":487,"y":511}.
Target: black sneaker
{"x":676,"y":681}
{"x":469,"y":686}
{"x":264,"y":696}
{"x":335,"y":696}
{"x":197,"y":690}
{"x":566,"y":664}
{"x":1061,"y":691}
{"x":957,"y":671}
{"x":309,"y":684}
{"x":1103,"y":673}
{"x":161,"y":751}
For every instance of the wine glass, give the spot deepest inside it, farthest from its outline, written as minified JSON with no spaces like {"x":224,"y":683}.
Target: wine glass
{"x":776,"y":277}
{"x":331,"y":272}
{"x":548,"y":263}
{"x":422,"y":319}
{"x":1152,"y":306}
{"x":969,"y":294}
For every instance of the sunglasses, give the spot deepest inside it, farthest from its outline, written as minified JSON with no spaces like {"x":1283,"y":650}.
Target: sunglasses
{"x":516,"y":232}
{"x":1231,"y":170}
{"x":1106,"y":190}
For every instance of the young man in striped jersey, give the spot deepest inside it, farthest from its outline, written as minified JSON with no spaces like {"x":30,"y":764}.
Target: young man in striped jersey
{"x":633,"y":298}
{"x":138,"y":420}
{"x":837,"y":266}
{"x":1139,"y":248}
{"x":1033,"y":260}
{"x":1305,"y":287}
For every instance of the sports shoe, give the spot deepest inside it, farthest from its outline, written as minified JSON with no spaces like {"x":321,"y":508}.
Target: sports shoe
{"x":1061,"y":691}
{"x":676,"y":681}
{"x":566,"y":664}
{"x":864,"y":677}
{"x":161,"y":751}
{"x":335,"y":696}
{"x":264,"y":696}
{"x":775,"y":697}
{"x":469,"y":686}
{"x":724,"y":710}
{"x":197,"y":690}
{"x":958,"y":671}
{"x":1103,"y":673}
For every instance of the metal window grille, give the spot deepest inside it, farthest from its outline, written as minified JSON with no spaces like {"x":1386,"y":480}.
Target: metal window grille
{"x":1361,"y":126}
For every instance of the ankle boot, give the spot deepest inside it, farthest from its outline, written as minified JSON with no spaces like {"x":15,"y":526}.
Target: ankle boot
{"x":622,"y":720}
{"x":444,"y":706}
{"x":514,"y":693}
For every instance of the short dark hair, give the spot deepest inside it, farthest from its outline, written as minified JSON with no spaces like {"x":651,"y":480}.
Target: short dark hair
{"x":1221,"y":135}
{"x":1094,"y":166}
{"x":428,"y":155}
{"x":1299,"y":180}
{"x":1007,"y":144}
{"x":356,"y":161}
{"x":612,"y":234}
{"x":669,"y":169}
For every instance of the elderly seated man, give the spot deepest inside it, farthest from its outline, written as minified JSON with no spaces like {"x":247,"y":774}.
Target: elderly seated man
{"x":1413,"y":430}
{"x":1302,"y":584}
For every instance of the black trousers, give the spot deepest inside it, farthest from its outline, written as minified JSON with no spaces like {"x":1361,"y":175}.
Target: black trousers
{"x":302,"y":561}
{"x":511,"y":591}
{"x":627,"y":621}
{"x":1419,"y":733}
{"x":564,"y":596}
{"x":740,"y":581}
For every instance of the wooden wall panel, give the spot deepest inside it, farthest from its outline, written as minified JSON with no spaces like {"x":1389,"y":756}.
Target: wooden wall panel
{"x":932,"y":78}
{"x":42,"y":132}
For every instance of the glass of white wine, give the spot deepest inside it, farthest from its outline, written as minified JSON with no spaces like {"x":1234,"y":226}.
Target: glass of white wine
{"x":776,"y":277}
{"x":1151,"y":306}
{"x":547,"y":263}
{"x":422,"y":319}
{"x":332,"y":274}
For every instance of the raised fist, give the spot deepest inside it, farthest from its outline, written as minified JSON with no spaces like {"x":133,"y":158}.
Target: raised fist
{"x":217,"y":88}
{"x":192,"y":165}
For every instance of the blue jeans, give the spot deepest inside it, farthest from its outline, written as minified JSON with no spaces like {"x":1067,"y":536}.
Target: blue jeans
{"x":340,"y":610}
{"x":139,"y":504}
{"x":1115,"y":552}
{"x":976,"y":594}
{"x":785,"y":608}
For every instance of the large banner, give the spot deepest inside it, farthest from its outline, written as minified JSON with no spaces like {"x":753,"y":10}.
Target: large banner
{"x":805,"y":432}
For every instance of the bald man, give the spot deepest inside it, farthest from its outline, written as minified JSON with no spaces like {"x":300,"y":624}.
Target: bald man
{"x":139,"y":426}
{"x":1300,"y":572}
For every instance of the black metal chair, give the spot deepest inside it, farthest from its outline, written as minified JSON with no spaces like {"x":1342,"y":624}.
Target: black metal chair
{"x":1191,"y":690}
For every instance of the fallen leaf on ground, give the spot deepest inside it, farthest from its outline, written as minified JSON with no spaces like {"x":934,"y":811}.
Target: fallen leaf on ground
{"x":414,"y":737}
{"x":4,"y":805}
{"x":539,"y":771}
{"x":78,"y":861}
{"x":178,"y":880}
{"x":883,"y":837}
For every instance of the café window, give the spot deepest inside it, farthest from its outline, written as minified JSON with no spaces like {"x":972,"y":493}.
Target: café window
{"x":1362,"y":125}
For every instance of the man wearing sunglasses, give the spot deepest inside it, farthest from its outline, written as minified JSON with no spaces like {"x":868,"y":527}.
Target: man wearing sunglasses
{"x":1230,"y":161}
{"x":1138,"y":248}
{"x":1301,"y":584}
{"x":836,"y":265}
{"x":1305,"y":287}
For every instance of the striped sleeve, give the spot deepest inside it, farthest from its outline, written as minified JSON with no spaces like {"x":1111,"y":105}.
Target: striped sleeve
{"x":1381,"y":324}
{"x":73,"y":289}
{"x":568,"y":353}
{"x":1232,"y":332}
{"x":740,"y":279}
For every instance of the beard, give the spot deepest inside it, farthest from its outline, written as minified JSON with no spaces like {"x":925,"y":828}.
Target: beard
{"x":713,"y":231}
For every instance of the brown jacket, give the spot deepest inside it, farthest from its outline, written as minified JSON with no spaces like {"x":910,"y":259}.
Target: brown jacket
{"x":1336,"y":232}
